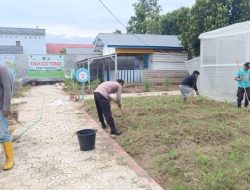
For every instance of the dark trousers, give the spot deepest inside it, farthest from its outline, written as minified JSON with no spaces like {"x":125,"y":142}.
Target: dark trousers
{"x":103,"y":108}
{"x":240,"y":95}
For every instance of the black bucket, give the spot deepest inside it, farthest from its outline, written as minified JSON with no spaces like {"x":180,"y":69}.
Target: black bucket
{"x":86,"y":138}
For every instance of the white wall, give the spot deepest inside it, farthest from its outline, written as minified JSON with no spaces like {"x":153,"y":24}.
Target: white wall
{"x":220,"y":59}
{"x":32,"y":44}
{"x":193,"y":64}
{"x":108,"y":51}
{"x":168,"y":61}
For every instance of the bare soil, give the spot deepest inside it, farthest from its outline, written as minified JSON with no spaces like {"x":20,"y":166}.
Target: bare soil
{"x":201,"y":146}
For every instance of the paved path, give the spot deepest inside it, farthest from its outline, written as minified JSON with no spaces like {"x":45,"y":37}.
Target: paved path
{"x":48,"y":156}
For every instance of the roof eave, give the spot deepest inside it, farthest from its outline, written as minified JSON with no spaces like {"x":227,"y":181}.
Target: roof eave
{"x":144,"y":47}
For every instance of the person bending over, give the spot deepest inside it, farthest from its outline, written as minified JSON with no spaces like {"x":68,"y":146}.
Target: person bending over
{"x":188,"y":85}
{"x":102,"y":101}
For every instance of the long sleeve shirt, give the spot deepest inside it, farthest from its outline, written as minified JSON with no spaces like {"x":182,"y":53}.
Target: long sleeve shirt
{"x":191,"y":82}
{"x":110,"y":87}
{"x":5,"y":88}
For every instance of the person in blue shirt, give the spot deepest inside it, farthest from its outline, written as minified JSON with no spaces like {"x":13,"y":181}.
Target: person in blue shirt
{"x":242,"y":77}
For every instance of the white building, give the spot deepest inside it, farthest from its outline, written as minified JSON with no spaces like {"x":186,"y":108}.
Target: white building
{"x":22,"y":41}
{"x":223,"y":51}
{"x":137,"y":57}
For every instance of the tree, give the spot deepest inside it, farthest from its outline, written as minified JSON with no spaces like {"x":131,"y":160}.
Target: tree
{"x":146,"y":19}
{"x":240,"y":11}
{"x":117,"y":31}
{"x":172,"y":23}
{"x":207,"y":15}
{"x":62,"y":51}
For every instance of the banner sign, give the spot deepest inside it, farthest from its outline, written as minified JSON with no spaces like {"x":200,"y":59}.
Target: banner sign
{"x":46,"y":66}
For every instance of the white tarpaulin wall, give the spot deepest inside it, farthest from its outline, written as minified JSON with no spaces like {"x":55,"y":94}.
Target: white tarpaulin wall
{"x":193,"y":64}
{"x":220,"y":51}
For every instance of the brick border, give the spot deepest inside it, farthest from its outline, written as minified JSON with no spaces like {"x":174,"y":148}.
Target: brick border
{"x":128,"y":159}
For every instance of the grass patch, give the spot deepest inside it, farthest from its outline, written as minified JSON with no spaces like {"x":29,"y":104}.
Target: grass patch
{"x":184,"y":147}
{"x":21,"y":91}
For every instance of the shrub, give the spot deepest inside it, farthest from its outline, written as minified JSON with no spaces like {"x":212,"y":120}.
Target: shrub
{"x":146,"y":84}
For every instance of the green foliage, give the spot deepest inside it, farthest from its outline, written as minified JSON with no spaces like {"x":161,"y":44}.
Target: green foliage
{"x":204,"y":16}
{"x":21,"y":91}
{"x":180,"y":187}
{"x":94,"y":83}
{"x":72,"y":86}
{"x":62,"y":51}
{"x":117,"y":31}
{"x":146,"y":84}
{"x":203,"y":146}
{"x":173,"y":23}
{"x":167,"y":83}
{"x":146,"y":19}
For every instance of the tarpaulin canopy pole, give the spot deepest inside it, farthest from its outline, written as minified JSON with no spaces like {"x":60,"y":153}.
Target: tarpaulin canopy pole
{"x":89,"y":61}
{"x":115,"y":60}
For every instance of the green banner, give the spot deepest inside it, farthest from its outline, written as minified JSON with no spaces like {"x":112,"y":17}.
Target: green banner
{"x":46,"y":66}
{"x":45,"y":74}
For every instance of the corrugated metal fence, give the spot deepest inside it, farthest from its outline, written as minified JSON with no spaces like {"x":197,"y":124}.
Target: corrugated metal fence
{"x":129,"y":76}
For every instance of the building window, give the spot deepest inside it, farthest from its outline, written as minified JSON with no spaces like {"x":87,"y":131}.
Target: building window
{"x":18,"y":43}
{"x":145,"y":61}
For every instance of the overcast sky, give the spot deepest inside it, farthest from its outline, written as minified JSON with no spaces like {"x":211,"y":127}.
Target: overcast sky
{"x":74,"y":20}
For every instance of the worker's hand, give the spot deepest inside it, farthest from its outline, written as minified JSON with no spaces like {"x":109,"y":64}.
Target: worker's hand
{"x":118,"y":103}
{"x":238,"y":79}
{"x":6,"y":113}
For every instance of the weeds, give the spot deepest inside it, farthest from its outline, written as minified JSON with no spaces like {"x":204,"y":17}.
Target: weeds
{"x":167,"y":83}
{"x":147,"y":85}
{"x":164,"y":134}
{"x":94,"y":84}
{"x":72,"y":86}
{"x":180,"y":187}
{"x":21,"y":91}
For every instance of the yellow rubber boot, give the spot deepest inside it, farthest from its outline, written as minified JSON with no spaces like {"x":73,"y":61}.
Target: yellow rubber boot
{"x":8,"y":148}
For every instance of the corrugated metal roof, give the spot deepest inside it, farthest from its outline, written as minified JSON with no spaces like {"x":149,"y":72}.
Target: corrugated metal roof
{"x":54,"y":48}
{"x":11,"y":49}
{"x":80,"y":51}
{"x":22,"y":31}
{"x":138,"y":40}
{"x":231,"y":30}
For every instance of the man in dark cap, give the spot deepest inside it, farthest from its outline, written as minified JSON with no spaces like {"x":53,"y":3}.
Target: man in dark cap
{"x":242,"y":77}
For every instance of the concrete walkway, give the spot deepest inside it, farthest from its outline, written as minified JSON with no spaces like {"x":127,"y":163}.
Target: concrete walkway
{"x":48,"y":155}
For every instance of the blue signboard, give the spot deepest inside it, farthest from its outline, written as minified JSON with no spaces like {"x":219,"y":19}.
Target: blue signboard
{"x":82,"y":75}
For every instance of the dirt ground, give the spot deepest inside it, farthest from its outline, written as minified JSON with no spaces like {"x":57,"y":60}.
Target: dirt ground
{"x":184,"y":147}
{"x":76,"y":88}
{"x":47,"y":155}
{"x":137,"y":88}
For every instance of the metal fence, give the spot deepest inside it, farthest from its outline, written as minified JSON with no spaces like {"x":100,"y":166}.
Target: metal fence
{"x":129,"y":76}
